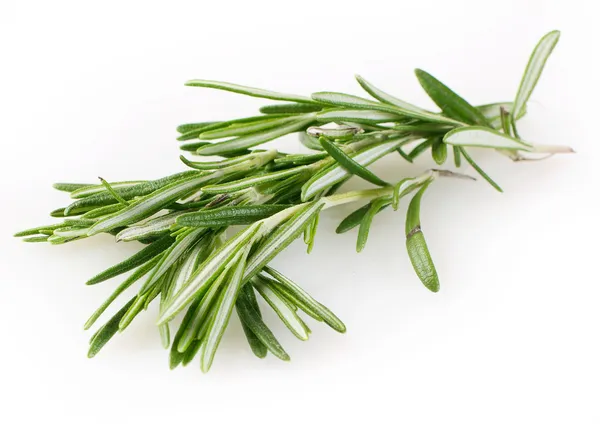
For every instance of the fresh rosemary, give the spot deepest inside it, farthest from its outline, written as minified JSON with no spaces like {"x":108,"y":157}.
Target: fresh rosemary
{"x":191,"y":264}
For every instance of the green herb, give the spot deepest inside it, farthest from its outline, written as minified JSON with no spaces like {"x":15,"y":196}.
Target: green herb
{"x":198,"y":265}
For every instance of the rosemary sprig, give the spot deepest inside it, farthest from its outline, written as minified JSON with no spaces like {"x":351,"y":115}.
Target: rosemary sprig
{"x":191,"y":263}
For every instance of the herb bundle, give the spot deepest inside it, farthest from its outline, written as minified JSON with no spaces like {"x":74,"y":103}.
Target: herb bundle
{"x":193,"y":263}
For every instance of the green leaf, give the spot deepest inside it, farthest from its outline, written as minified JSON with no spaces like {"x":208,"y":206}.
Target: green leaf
{"x":212,"y":165}
{"x":252,"y":181}
{"x":238,"y":129}
{"x":135,"y":276}
{"x":247,"y":292}
{"x":229,"y":215}
{"x":248,"y":91}
{"x":250,"y":317}
{"x":281,"y":238}
{"x":484,"y":137}
{"x":176,"y":357}
{"x":88,"y":190}
{"x":357,"y":115}
{"x":287,"y":315}
{"x":290,"y":108}
{"x":154,"y":227}
{"x":416,"y":246}
{"x":439,"y":151}
{"x":306,"y":302}
{"x":420,"y":148}
{"x":139,"y":258}
{"x":189,"y":263}
{"x":225,"y":308}
{"x":405,"y":108}
{"x":108,"y":330}
{"x":207,"y":272}
{"x":350,"y":164}
{"x":339,"y":132}
{"x":365,"y":224}
{"x":451,"y":103}
{"x":456,"y":153}
{"x":37,"y":230}
{"x":176,"y":251}
{"x":203,"y":312}
{"x":310,"y":232}
{"x":250,"y":140}
{"x":480,"y":171}
{"x":134,"y":310}
{"x":184,"y":128}
{"x":150,"y":204}
{"x":127,"y":193}
{"x":336,"y":173}
{"x":69,"y":187}
{"x":354,"y":219}
{"x":534,"y":69}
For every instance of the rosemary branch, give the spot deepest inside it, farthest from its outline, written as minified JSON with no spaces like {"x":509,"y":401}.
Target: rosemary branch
{"x":189,"y":264}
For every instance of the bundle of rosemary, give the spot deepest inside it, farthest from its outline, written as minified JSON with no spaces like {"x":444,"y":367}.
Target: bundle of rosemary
{"x":194,"y":261}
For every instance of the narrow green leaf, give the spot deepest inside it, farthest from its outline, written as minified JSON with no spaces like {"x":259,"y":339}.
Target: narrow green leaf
{"x":245,"y":129}
{"x":133,"y":311}
{"x":175,"y":252}
{"x":350,"y":164}
{"x":88,"y":190}
{"x":310,"y":232}
{"x":365,"y":224}
{"x":480,"y":171}
{"x":281,"y":238}
{"x":336,"y":173}
{"x":360,"y":116}
{"x":439,"y":151}
{"x":176,"y":357}
{"x":287,"y":315}
{"x":250,"y":317}
{"x":250,"y":140}
{"x":420,"y":148}
{"x":184,"y":128}
{"x":205,"y":309}
{"x":354,"y":219}
{"x":150,"y":204}
{"x":224,"y":311}
{"x":135,"y":276}
{"x":416,"y":246}
{"x":36,"y":239}
{"x":139,"y":258}
{"x":248,"y":91}
{"x":252,"y":181}
{"x":108,"y":330}
{"x":207,"y":272}
{"x":112,"y":192}
{"x":451,"y":103}
{"x":505,"y":123}
{"x":154,"y":227}
{"x":456,"y":153}
{"x":69,"y":187}
{"x":258,"y":348}
{"x":290,"y":108}
{"x":484,"y":137}
{"x":534,"y":69}
{"x":306,"y":302}
{"x":229,"y":215}
{"x":212,"y":165}
{"x":128,"y":192}
{"x":405,"y":108}
{"x":37,"y":230}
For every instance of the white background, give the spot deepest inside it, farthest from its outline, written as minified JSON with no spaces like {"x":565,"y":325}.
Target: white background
{"x":96,"y":88}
